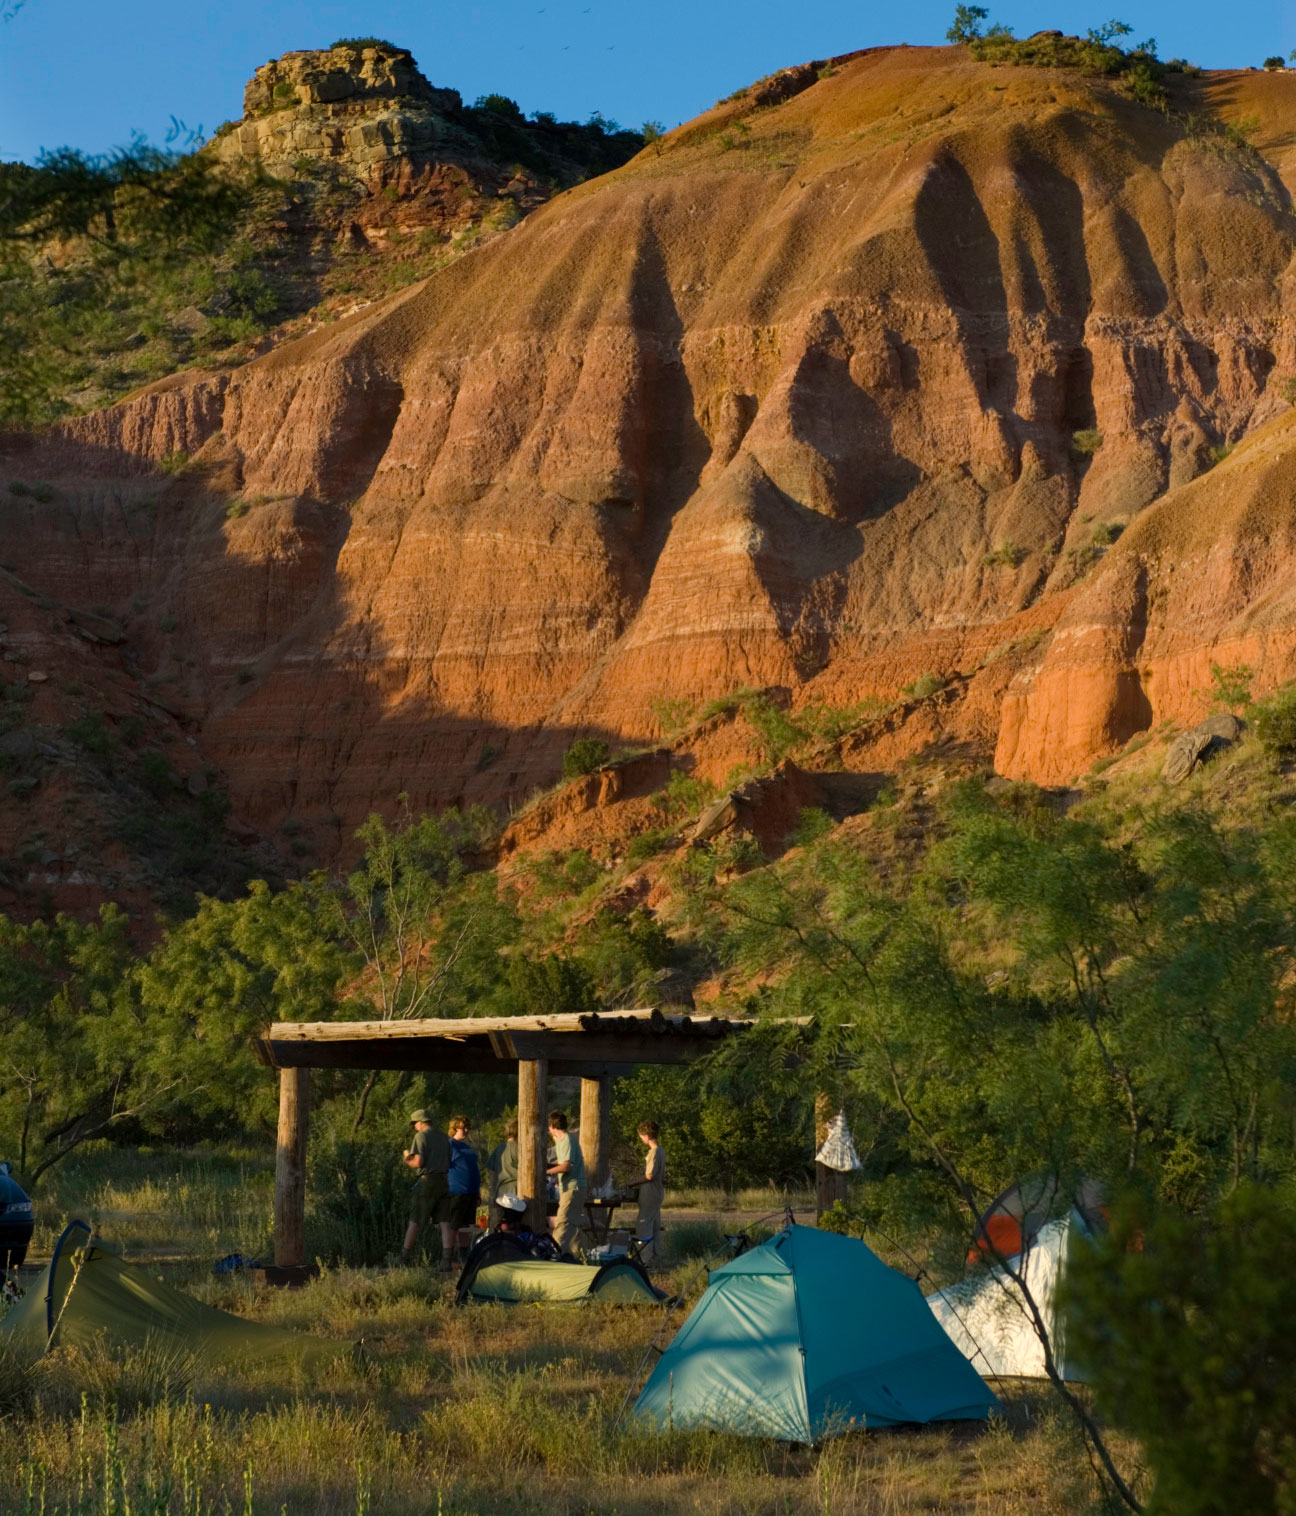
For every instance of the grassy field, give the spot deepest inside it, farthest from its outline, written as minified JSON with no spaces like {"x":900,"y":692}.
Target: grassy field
{"x":449,"y":1410}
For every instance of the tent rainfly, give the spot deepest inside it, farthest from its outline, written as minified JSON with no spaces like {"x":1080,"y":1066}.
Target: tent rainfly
{"x":809,"y":1335}
{"x":988,"y":1320}
{"x":89,"y":1293}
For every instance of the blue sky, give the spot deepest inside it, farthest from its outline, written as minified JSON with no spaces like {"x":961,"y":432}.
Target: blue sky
{"x":88,"y":73}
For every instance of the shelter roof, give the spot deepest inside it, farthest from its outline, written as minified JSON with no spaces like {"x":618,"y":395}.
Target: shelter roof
{"x":610,"y":1042}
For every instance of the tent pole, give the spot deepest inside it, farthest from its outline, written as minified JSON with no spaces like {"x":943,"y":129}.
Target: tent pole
{"x":533,"y":1139}
{"x":290,"y":1169}
{"x":595,"y":1119}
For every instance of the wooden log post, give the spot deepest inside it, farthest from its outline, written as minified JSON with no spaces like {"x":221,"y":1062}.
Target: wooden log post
{"x":533,"y":1139}
{"x":290,"y":1169}
{"x":595,"y":1130}
{"x":830,"y":1184}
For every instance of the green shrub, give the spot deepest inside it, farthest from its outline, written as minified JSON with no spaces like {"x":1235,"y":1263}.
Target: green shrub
{"x":1231,"y":686}
{"x":1274,"y":720}
{"x":17,"y":487}
{"x":357,"y":44}
{"x":1106,"y":532}
{"x":1086,"y":442}
{"x":814,"y":823}
{"x":648,"y":844}
{"x":1186,"y":1320}
{"x":42,"y":492}
{"x":174,"y":463}
{"x":1275,"y":61}
{"x":1006,"y":555}
{"x":584,"y":756}
{"x":236,"y":508}
{"x":90,"y":734}
{"x":685,"y":794}
{"x":926,"y":685}
{"x":826,"y":723}
{"x":156,"y":774}
{"x":360,"y":1191}
{"x":778,"y":732}
{"x":499,"y":105}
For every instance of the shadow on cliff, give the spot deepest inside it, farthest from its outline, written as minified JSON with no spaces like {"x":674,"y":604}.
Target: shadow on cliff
{"x":236,"y":624}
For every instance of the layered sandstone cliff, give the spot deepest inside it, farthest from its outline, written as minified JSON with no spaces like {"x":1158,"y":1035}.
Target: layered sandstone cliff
{"x":849,"y":381}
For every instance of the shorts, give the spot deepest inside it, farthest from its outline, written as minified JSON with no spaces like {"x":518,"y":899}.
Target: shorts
{"x":460,"y":1210}
{"x":428,"y":1197}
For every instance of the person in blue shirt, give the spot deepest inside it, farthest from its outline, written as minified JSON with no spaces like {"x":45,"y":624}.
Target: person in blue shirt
{"x":464,"y":1183}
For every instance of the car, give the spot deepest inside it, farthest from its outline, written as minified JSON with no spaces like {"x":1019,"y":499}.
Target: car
{"x":15,"y":1220}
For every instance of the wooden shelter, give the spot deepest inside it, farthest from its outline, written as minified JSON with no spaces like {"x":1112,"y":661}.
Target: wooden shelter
{"x":593,"y":1047}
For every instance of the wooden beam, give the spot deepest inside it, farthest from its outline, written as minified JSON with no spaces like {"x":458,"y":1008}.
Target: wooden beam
{"x":533,"y":1139}
{"x":290,"y":1169}
{"x":595,"y":1129}
{"x":601,"y":1047}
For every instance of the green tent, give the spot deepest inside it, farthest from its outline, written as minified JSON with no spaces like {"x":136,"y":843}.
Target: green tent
{"x":537,"y":1279}
{"x":89,"y":1293}
{"x":808,"y":1335}
{"x":503,"y":1266}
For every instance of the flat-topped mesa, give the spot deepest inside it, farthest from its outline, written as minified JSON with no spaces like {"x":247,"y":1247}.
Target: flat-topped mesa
{"x":344,"y":73}
{"x":354,"y":105}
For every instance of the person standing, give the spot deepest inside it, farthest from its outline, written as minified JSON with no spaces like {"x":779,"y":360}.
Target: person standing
{"x":651,"y":1192}
{"x":429,"y":1156}
{"x":569,"y":1170}
{"x":502,"y":1165}
{"x":464,"y":1183}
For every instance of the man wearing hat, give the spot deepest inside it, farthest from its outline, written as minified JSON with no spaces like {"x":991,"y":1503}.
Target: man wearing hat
{"x":429,"y":1156}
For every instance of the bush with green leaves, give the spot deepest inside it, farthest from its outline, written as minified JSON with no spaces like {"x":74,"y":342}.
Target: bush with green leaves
{"x":1274,"y":723}
{"x":1184,"y":1324}
{"x":584,"y":756}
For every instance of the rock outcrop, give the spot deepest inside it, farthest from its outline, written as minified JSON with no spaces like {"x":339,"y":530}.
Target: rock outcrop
{"x":362,"y":105}
{"x":833,"y":393}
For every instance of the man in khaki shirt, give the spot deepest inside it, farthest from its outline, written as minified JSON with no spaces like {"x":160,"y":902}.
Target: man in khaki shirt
{"x":569,"y":1168}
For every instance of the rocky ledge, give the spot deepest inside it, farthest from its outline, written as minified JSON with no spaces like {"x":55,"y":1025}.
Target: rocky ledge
{"x":363,"y":105}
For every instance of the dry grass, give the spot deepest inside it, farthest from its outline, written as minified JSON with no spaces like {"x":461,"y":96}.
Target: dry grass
{"x":454,"y":1410}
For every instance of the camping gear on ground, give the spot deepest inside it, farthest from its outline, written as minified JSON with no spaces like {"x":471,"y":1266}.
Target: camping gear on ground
{"x":809,"y":1335}
{"x":513,"y":1267}
{"x":987,"y":1317}
{"x":90,"y":1293}
{"x":16,"y":1221}
{"x":837,"y":1151}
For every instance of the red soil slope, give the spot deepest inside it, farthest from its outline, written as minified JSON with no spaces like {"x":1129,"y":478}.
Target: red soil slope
{"x":793,"y":398}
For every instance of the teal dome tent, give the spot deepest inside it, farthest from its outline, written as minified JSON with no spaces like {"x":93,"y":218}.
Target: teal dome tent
{"x":809,"y":1335}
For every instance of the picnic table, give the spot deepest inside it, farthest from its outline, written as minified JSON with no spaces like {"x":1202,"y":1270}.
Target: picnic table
{"x":600,"y":1209}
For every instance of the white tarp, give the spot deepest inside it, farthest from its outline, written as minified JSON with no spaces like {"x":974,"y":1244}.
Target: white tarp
{"x":989,"y":1320}
{"x":838,"y":1150}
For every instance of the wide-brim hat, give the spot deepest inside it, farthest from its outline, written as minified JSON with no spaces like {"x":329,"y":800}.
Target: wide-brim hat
{"x":421,"y":1116}
{"x":510,"y":1203}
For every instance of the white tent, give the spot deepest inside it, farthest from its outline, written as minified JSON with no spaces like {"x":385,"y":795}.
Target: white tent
{"x":989,"y":1320}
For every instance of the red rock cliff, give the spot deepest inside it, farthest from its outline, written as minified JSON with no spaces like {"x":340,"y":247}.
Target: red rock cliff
{"x":822,"y":392}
